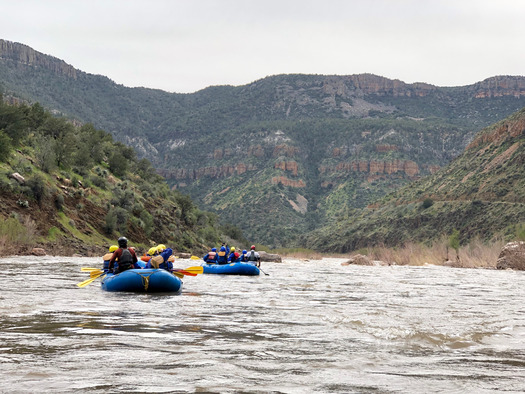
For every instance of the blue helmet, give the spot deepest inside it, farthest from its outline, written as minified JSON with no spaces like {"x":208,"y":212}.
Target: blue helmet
{"x":223,"y":249}
{"x":213,"y":249}
{"x":244,"y":251}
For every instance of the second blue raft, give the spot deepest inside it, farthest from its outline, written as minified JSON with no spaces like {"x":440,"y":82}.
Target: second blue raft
{"x":147,"y":280}
{"x":231,"y":269}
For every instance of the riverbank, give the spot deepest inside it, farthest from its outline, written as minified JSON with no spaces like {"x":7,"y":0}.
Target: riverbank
{"x":476,"y":254}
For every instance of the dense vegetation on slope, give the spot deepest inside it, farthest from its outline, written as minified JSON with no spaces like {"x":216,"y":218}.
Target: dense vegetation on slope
{"x":80,"y":190}
{"x":282,"y":155}
{"x":481,"y":194}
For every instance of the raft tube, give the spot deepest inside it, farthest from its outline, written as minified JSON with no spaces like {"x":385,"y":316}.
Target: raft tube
{"x":231,"y":269}
{"x":148,"y":280}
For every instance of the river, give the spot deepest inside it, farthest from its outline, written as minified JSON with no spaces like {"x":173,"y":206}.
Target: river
{"x":307,"y":327}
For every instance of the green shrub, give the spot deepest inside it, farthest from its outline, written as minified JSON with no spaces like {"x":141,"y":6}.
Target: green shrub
{"x":37,"y":187}
{"x":52,"y":233}
{"x":111,"y":222}
{"x":99,"y":182}
{"x":147,"y":221}
{"x":59,"y":201}
{"x":116,"y":220}
{"x":13,"y":230}
{"x":5,"y":146}
{"x":427,"y":203}
{"x":520,"y":232}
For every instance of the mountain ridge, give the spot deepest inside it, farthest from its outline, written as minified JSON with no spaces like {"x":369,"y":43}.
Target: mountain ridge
{"x":254,"y":153}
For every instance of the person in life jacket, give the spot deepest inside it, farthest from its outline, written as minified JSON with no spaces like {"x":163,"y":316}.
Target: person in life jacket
{"x":225,"y":244}
{"x":234,"y":256}
{"x":253,"y":257}
{"x":127,"y":258}
{"x":149,"y":254}
{"x":108,"y":255}
{"x":161,"y":259}
{"x":244,"y":257}
{"x":223,"y":257}
{"x":211,"y":256}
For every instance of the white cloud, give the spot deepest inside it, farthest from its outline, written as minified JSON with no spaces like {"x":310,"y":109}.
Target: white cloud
{"x":186,"y":45}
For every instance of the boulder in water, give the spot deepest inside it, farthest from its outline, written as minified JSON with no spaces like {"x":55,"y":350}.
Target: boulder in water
{"x":274,"y":258}
{"x":512,"y":256}
{"x":38,"y":252}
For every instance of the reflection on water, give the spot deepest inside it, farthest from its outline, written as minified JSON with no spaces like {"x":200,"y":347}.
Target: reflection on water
{"x":307,"y":327}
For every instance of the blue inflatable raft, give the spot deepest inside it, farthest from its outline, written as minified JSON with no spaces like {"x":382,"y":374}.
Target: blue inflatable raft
{"x":148,"y":280}
{"x":231,"y":269}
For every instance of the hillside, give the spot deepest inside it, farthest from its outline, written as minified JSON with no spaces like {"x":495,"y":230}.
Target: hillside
{"x":285,"y":154}
{"x":73,"y":189}
{"x":481,"y":194}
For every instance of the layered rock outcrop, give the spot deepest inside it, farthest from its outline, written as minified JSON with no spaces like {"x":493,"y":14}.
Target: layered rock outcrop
{"x":510,"y":129}
{"x":211,"y":171}
{"x":365,"y":84}
{"x":499,"y":86}
{"x":290,"y":166}
{"x":407,"y":167}
{"x":25,"y":55}
{"x":288,"y":182}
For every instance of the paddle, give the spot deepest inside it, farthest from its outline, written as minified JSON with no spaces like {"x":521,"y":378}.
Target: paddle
{"x":178,"y":274}
{"x":194,"y":258}
{"x":194,"y":270}
{"x":88,"y":281}
{"x":263,"y":271}
{"x":92,"y":274}
{"x":190,"y":271}
{"x":87,"y":269}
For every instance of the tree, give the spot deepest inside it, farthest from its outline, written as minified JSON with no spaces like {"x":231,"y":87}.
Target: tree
{"x":5,"y":146}
{"x":38,"y":188}
{"x":453,"y":242}
{"x":118,"y":164}
{"x":45,"y":153}
{"x":427,"y":203}
{"x":13,"y":122}
{"x":62,"y":132}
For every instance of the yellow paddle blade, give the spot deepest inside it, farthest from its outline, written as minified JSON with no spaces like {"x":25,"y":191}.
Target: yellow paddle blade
{"x":194,"y":270}
{"x":88,"y":281}
{"x":95,"y":273}
{"x":178,"y":274}
{"x":88,"y":269}
{"x":194,"y":258}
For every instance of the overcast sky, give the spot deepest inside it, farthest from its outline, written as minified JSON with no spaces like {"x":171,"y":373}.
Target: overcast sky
{"x":186,"y":45}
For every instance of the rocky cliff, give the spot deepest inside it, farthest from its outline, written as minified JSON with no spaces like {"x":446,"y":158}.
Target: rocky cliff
{"x":246,"y":152}
{"x":23,"y":55}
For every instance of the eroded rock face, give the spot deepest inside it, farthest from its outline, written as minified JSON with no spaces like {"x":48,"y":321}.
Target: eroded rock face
{"x":26,"y":55}
{"x":288,"y":182}
{"x":512,"y":256}
{"x":408,"y":167}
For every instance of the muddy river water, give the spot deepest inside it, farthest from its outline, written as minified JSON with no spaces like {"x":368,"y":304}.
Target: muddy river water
{"x":307,"y":327}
